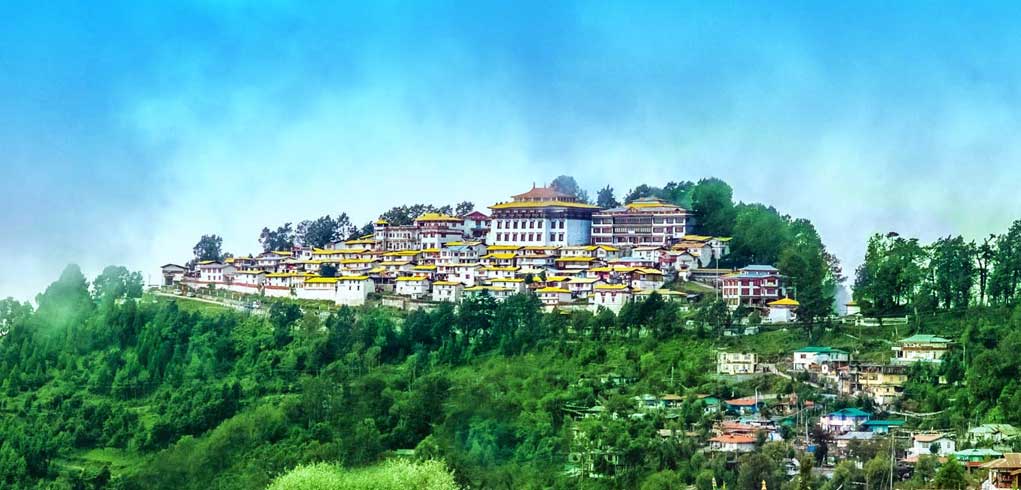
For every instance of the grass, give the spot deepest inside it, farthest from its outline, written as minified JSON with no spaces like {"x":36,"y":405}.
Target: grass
{"x":429,"y":475}
{"x":118,"y":460}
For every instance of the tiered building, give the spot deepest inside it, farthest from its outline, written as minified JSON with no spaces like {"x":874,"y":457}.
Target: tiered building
{"x":542,"y":216}
{"x":646,"y":221}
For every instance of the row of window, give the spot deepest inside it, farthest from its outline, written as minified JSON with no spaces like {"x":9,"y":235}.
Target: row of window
{"x":528,"y":237}
{"x":531,"y":224}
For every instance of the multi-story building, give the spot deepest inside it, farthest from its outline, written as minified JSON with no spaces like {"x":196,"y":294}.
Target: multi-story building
{"x":735,"y":363}
{"x":610,"y":296}
{"x":754,"y":285}
{"x":646,"y":221}
{"x":477,"y":225}
{"x":391,"y":237}
{"x":542,"y":216}
{"x":819,"y":358}
{"x":436,"y":230}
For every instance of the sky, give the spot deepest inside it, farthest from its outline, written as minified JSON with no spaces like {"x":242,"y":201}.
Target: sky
{"x":130,"y":129}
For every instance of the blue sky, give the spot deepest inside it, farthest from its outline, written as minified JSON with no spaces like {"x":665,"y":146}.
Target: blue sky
{"x":129,"y":129}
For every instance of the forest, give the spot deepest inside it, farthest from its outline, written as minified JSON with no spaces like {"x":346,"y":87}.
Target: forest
{"x":104,"y":386}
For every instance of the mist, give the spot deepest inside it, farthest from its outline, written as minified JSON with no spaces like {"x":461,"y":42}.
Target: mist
{"x":132,"y":137}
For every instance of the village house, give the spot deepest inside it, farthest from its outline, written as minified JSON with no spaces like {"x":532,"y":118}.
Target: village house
{"x":880,"y":426}
{"x":754,"y":286}
{"x":882,"y":383}
{"x":666,"y":294}
{"x":934,"y":443}
{"x":542,"y":216}
{"x":993,"y":433}
{"x":392,"y":237}
{"x":920,"y":348}
{"x":975,"y":457}
{"x":582,"y":287}
{"x":819,"y":359}
{"x":702,"y":252}
{"x":353,"y":290}
{"x":732,"y":443}
{"x":782,"y":311}
{"x":645,"y":221}
{"x":437,"y":229}
{"x":414,"y":287}
{"x":745,"y":405}
{"x":516,"y":284}
{"x":496,"y":292}
{"x":448,"y":291}
{"x":610,"y":296}
{"x":499,"y":259}
{"x":552,"y":297}
{"x":319,"y":288}
{"x":477,"y":225}
{"x":248,"y":281}
{"x":461,"y":253}
{"x":173,"y":274}
{"x":574,"y":263}
{"x":499,"y":272}
{"x":844,"y":420}
{"x":731,"y":363}
{"x":466,"y":273}
{"x":645,"y":279}
{"x":215,"y":272}
{"x":1004,"y":473}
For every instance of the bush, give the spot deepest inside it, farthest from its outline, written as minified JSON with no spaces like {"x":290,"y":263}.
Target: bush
{"x":391,"y":475}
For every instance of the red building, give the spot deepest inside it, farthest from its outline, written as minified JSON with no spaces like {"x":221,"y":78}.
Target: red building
{"x":754,"y":285}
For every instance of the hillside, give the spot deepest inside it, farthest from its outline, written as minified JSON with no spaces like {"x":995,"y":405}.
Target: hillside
{"x":153,"y":393}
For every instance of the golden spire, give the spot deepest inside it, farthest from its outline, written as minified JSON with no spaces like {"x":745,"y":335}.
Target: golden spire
{"x":763,"y":484}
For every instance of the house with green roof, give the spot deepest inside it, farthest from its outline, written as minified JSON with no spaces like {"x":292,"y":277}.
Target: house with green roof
{"x":881,"y":426}
{"x":819,"y":358}
{"x":995,"y":433}
{"x":920,"y":348}
{"x":844,"y":420}
{"x":976,"y":456}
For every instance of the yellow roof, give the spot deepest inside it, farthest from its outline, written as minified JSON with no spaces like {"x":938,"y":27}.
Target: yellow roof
{"x":556,"y":278}
{"x":425,"y":267}
{"x":583,"y":280}
{"x":575,"y":259}
{"x":784,"y":302}
{"x":206,"y":262}
{"x":360,"y":241}
{"x":282,"y":252}
{"x":446,"y":283}
{"x":552,"y":290}
{"x":460,"y":243}
{"x":412,"y":278}
{"x":430,"y":250}
{"x":321,"y":280}
{"x":251,"y":272}
{"x":500,"y":256}
{"x":357,"y":261}
{"x":613,"y":268}
{"x":503,"y":269}
{"x":508,"y":279}
{"x":647,"y":270}
{"x":352,"y":278}
{"x":382,"y":221}
{"x":437,"y":217}
{"x":498,"y":248}
{"x":611,"y":287}
{"x":472,"y":264}
{"x":396,"y":263}
{"x":230,"y":260}
{"x":542,"y":204}
{"x":488,"y":288}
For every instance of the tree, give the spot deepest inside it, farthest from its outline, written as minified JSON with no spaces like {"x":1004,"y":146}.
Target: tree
{"x":1005,"y":279}
{"x":713,"y":206}
{"x":639,"y":192}
{"x":464,"y":208}
{"x":567,"y":185}
{"x":117,"y":282}
{"x":208,"y":248}
{"x":951,"y":475}
{"x":280,"y":239}
{"x":663,"y":480}
{"x":605,"y":199}
{"x":806,"y":264}
{"x":324,"y":230}
{"x":891,"y":274}
{"x":952,"y":269}
{"x":984,"y":260}
{"x":328,"y":270}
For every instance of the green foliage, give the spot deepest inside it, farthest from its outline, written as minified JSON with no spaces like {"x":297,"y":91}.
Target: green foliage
{"x":713,"y":205}
{"x":391,"y":475}
{"x":209,"y":247}
{"x":605,"y":199}
{"x":116,"y":282}
{"x":567,"y":185}
{"x":281,"y":238}
{"x":319,"y":232}
{"x":951,"y":475}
